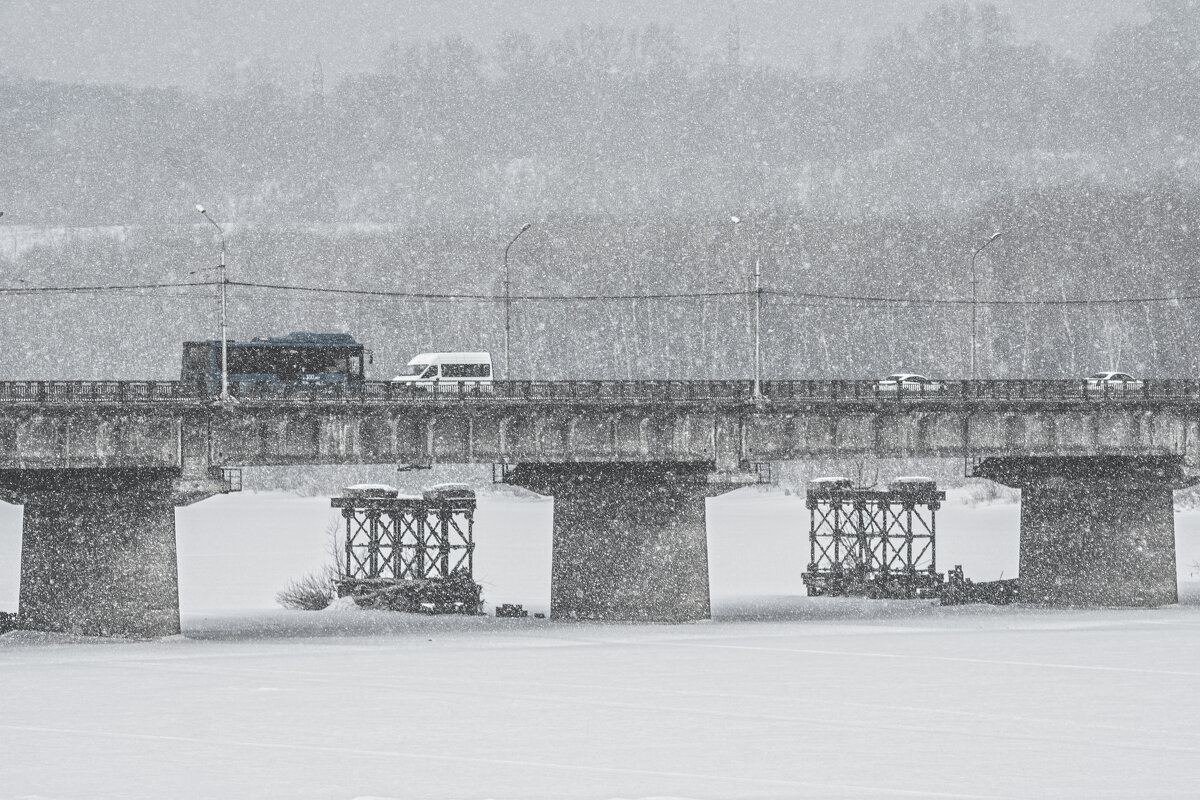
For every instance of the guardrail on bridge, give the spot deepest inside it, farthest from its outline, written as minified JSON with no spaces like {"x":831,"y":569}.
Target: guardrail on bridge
{"x":656,"y":391}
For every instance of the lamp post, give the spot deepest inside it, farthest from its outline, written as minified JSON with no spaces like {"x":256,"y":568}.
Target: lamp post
{"x":974,"y":303}
{"x":225,"y":398}
{"x":508,"y":298}
{"x":757,"y":391}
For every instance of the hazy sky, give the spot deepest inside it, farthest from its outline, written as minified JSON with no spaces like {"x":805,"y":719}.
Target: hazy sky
{"x":185,"y":42}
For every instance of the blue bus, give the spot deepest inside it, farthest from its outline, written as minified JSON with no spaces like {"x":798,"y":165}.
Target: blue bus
{"x":282,"y":363}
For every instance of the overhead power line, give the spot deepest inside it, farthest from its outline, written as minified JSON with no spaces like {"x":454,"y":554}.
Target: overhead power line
{"x":132,"y":287}
{"x":488,"y":297}
{"x":783,"y":295}
{"x":878,"y":300}
{"x":957,"y":301}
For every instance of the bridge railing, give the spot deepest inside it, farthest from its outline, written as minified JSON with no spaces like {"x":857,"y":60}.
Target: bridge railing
{"x":651,"y":391}
{"x":812,"y":390}
{"x":89,"y":391}
{"x":1024,"y":389}
{"x":622,"y":391}
{"x":1076,"y":389}
{"x":531,"y":390}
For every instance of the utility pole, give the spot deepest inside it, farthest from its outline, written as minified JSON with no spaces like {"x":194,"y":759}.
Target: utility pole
{"x":974,"y":304}
{"x":757,"y":384}
{"x":508,"y":298}
{"x":225,"y":398}
{"x":757,"y":313}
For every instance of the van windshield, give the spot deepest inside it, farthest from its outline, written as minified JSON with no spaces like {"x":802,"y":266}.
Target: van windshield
{"x":415,"y":369}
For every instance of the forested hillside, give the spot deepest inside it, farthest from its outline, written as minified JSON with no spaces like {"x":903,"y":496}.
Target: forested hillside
{"x":861,"y":193}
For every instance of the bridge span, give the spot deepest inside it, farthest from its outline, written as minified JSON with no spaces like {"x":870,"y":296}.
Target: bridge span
{"x":99,"y":467}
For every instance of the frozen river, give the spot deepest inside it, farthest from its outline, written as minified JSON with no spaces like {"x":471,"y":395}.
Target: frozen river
{"x":779,"y":696}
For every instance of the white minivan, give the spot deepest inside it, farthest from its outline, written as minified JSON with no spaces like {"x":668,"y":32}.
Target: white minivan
{"x":448,"y":372}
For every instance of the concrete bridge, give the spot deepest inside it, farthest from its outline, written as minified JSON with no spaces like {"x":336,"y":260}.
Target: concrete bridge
{"x":100,"y":466}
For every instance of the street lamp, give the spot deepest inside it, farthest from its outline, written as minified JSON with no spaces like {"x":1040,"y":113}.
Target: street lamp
{"x":508,"y":297}
{"x":757,"y":314}
{"x":225,"y":398}
{"x":974,"y":304}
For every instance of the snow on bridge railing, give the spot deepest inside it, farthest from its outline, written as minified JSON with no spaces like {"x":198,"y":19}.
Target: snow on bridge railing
{"x":89,"y":391}
{"x":615,"y":391}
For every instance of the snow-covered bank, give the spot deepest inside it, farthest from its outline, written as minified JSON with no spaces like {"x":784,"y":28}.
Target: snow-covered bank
{"x":779,"y":696}
{"x":862,"y":700}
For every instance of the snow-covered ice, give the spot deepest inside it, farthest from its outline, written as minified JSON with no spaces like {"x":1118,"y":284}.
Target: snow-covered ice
{"x":780,"y":696}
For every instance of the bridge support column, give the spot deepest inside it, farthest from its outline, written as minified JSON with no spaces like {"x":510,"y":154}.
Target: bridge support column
{"x":98,"y":550}
{"x":630,"y":541}
{"x":1094,"y":530}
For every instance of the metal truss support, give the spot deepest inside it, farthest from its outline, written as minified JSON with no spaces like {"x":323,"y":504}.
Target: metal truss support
{"x":406,"y":538}
{"x":872,"y":543}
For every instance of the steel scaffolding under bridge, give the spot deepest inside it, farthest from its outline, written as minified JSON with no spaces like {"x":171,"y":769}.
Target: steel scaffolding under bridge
{"x":864,"y":542}
{"x":409,"y":553}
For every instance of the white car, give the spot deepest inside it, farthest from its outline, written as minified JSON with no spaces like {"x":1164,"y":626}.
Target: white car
{"x":909,"y":383}
{"x":1113,"y":382}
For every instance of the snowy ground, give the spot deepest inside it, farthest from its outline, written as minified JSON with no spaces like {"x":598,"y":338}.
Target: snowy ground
{"x":779,"y":696}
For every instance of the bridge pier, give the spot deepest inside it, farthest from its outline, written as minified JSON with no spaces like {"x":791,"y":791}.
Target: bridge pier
{"x":1094,"y":530}
{"x":98,"y":551}
{"x":630,"y":541}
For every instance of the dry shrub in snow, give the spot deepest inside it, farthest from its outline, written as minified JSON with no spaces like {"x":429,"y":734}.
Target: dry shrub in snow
{"x":981,"y":492}
{"x":313,"y":592}
{"x":316,"y":590}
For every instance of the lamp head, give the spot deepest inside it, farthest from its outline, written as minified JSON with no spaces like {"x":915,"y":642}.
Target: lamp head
{"x":526,"y":226}
{"x":200,"y":208}
{"x":995,"y":236}
{"x":735,"y":220}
